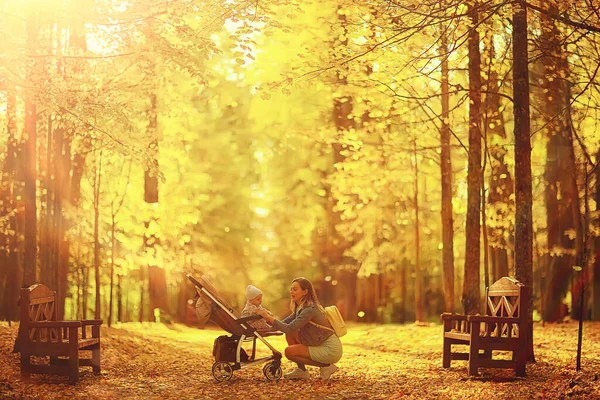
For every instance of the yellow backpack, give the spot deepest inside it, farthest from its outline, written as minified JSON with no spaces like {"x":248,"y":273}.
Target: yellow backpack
{"x":335,"y":319}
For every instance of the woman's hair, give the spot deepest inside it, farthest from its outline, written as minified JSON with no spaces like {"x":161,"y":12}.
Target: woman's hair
{"x":309,"y":298}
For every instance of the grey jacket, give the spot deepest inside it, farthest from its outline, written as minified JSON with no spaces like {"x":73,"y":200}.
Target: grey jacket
{"x":309,"y":334}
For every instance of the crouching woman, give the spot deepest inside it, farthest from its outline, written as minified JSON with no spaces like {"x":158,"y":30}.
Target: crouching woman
{"x":311,"y":339}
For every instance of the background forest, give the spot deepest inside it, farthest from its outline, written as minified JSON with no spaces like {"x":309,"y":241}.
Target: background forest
{"x":400,"y":154}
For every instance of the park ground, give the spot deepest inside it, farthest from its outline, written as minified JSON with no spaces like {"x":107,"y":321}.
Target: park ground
{"x":155,"y":361}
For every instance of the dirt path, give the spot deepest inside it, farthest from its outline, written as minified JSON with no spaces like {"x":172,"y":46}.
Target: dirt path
{"x":380,"y":362}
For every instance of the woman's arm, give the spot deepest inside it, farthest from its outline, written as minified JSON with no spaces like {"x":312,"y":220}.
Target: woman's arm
{"x":268,"y":316}
{"x":289,"y":318}
{"x":303,"y":317}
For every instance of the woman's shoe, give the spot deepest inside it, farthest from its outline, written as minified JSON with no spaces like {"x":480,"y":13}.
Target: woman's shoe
{"x":327,"y":371}
{"x":297,"y":374}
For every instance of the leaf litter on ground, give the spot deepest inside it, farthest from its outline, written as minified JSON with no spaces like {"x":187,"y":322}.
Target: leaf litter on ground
{"x":157,"y":361}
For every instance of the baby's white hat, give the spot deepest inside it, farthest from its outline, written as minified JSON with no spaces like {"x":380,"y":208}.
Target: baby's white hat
{"x":252,"y":292}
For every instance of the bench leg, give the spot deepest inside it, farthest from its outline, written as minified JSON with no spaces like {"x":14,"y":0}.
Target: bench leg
{"x":520,"y":358}
{"x":520,"y":370}
{"x":25,"y":366}
{"x":96,"y":349}
{"x":473,"y":358}
{"x":474,"y":349}
{"x":447,"y":356}
{"x":73,"y":364}
{"x":96,"y":359}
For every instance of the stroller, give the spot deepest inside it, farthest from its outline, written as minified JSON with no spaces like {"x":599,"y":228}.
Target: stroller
{"x":227,"y":350}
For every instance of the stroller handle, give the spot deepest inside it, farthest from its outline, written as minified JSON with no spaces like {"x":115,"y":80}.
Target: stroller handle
{"x":194,"y":281}
{"x":207,"y":288}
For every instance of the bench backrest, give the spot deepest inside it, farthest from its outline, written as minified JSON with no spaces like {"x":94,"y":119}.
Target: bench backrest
{"x":37,"y":303}
{"x":508,"y":297}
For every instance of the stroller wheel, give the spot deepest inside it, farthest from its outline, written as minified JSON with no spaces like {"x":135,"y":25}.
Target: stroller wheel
{"x":222,"y":371}
{"x":272,"y":372}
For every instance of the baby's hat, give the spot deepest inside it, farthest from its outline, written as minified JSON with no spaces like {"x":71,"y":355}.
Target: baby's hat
{"x":252,"y":292}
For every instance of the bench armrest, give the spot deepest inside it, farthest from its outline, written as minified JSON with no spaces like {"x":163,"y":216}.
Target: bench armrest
{"x":85,"y":322}
{"x":250,"y":318}
{"x":54,"y":324}
{"x":453,"y":317}
{"x":490,"y":319}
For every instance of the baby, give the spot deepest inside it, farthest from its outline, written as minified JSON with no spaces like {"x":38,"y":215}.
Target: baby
{"x":253,"y":304}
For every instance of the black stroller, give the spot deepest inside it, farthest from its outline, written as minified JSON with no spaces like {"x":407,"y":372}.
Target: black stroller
{"x":227,"y":350}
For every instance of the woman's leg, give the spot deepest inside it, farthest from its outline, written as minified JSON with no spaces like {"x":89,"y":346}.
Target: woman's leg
{"x":292,"y":339}
{"x":299,"y":354}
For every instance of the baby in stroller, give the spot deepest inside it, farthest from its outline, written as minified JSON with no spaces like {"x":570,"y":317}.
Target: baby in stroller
{"x":227,"y":350}
{"x":253,"y":304}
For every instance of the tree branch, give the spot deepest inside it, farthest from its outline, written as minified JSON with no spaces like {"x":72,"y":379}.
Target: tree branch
{"x":565,"y":20}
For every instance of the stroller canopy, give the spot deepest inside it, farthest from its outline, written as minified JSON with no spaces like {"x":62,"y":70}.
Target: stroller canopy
{"x":211,"y":306}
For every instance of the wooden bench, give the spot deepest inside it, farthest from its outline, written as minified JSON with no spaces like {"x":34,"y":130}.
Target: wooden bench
{"x":504,"y":328}
{"x":41,"y":335}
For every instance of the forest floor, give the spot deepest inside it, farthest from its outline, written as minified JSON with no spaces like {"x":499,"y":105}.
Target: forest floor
{"x":380,"y":362}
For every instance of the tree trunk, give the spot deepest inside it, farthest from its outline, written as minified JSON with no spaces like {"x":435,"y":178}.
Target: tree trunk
{"x":142,"y":281}
{"x":486,"y":255}
{"x":596,"y":265}
{"x":501,"y":206}
{"x":523,"y":185}
{"x":77,"y":172}
{"x":79,"y":297}
{"x":119,"y":299}
{"x":472,"y":281}
{"x":446,"y":168}
{"x":30,"y":255}
{"x":62,"y":165}
{"x":84,"y":288}
{"x":419,"y":298}
{"x":157,"y":282}
{"x":583,"y":263}
{"x":62,"y":169}
{"x":112,"y":269}
{"x":97,"y":183}
{"x":47,"y":271}
{"x":403,"y":289}
{"x":335,"y":244}
{"x":182,"y":297}
{"x":30,"y":187}
{"x":562,"y":199}
{"x":127,"y":308}
{"x":10,"y":279}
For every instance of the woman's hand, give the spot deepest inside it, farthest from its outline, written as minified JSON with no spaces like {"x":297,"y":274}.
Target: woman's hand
{"x":267,"y":317}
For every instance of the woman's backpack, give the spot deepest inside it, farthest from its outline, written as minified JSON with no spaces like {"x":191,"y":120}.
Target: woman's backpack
{"x":335,"y":319}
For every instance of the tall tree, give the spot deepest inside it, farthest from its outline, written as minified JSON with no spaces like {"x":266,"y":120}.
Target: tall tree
{"x":115,"y":207}
{"x":562,"y":199}
{"x":47,"y":274}
{"x":446,"y":169}
{"x":9,"y":247}
{"x":157,"y":281}
{"x":334,"y":245}
{"x":471,"y":287}
{"x":500,"y":181}
{"x":523,"y":184}
{"x":30,"y":187}
{"x":596,"y":265}
{"x":419,"y":290}
{"x":97,"y":185}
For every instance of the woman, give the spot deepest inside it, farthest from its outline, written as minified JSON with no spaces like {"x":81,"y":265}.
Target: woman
{"x":309,"y":334}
